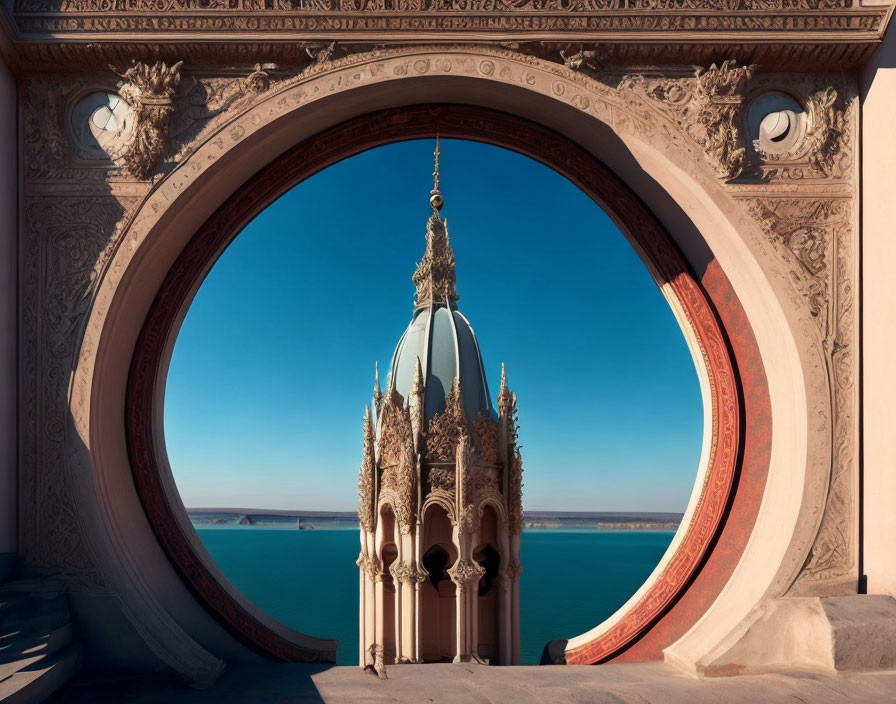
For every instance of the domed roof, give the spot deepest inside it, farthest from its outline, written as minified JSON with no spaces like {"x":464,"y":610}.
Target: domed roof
{"x":439,"y":335}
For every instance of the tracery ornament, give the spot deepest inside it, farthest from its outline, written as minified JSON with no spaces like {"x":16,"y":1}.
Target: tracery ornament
{"x":149,"y":90}
{"x":485,"y":439}
{"x":514,"y":570}
{"x":398,"y":459}
{"x":445,"y":428}
{"x":367,"y":476}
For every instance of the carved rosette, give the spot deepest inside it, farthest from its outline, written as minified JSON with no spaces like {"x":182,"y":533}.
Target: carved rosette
{"x":149,"y":90}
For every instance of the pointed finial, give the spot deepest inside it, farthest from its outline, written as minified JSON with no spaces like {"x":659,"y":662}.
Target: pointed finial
{"x":503,"y":386}
{"x":436,"y":275}
{"x":435,"y":196}
{"x":377,"y":392}
{"x":417,"y":386}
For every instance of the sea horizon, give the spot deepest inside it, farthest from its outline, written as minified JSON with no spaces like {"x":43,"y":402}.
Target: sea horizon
{"x":346,"y":520}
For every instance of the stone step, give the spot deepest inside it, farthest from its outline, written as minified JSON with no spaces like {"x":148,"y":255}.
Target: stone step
{"x":36,"y":619}
{"x":28,"y":644}
{"x":42,"y":586}
{"x":12,"y":601}
{"x":40,"y":676}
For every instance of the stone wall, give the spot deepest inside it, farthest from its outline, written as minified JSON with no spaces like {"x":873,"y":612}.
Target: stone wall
{"x":99,"y":229}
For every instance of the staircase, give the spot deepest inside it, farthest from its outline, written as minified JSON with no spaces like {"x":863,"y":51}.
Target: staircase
{"x":37,"y":653}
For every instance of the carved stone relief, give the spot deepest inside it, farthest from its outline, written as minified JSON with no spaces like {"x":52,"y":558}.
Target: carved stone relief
{"x":149,"y":90}
{"x":74,"y":216}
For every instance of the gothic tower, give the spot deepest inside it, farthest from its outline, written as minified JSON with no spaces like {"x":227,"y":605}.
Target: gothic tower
{"x":440,"y":489}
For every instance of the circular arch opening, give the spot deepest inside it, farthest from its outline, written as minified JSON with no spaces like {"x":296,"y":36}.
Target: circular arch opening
{"x":699,"y":323}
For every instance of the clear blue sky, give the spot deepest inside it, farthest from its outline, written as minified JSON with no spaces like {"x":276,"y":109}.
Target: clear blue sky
{"x":274,"y":362}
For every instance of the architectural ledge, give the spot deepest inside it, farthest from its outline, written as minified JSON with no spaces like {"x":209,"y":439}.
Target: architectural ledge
{"x":801,"y":35}
{"x":832,"y":635}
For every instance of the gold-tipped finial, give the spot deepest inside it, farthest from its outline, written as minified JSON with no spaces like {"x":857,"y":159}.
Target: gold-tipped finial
{"x":435,"y":196}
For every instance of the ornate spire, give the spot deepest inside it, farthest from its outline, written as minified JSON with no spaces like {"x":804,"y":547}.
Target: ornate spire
{"x":435,"y":196}
{"x":377,"y":392}
{"x":417,"y":386}
{"x":367,"y":474}
{"x":436,"y":273}
{"x":504,"y":395}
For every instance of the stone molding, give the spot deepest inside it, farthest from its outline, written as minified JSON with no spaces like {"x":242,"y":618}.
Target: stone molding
{"x":82,"y":221}
{"x":813,"y":34}
{"x":621,"y":19}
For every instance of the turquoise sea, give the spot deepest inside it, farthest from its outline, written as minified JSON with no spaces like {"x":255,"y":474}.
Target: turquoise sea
{"x":308,"y":579}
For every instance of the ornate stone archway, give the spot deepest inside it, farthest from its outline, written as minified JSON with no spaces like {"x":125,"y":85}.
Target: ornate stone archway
{"x":772,"y":235}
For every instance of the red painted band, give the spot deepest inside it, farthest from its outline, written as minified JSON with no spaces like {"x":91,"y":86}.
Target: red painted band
{"x":451,"y":121}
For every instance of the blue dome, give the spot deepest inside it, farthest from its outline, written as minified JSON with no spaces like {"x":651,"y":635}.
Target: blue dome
{"x":446,"y":345}
{"x":439,"y":335}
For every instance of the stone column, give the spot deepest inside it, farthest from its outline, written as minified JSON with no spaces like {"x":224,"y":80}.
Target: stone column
{"x":878,"y":93}
{"x":379,"y":627}
{"x":8,"y":327}
{"x":466,"y":575}
{"x":395,"y":569}
{"x":420,"y":576}
{"x":514,"y":570}
{"x":362,"y":609}
{"x":505,"y":648}
{"x":504,"y":612}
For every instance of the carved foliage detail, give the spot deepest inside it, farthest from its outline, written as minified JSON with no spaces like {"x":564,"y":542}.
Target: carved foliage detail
{"x":367,"y":477}
{"x":466,"y":573}
{"x":436,"y":274}
{"x":445,"y":428}
{"x":720,"y":94}
{"x":826,"y":131}
{"x":398,"y":459}
{"x":149,"y":90}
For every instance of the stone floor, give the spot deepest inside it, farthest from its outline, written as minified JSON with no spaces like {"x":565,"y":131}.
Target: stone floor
{"x":645,"y":683}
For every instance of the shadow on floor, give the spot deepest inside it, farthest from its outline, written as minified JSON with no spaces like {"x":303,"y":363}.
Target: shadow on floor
{"x":243,"y":683}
